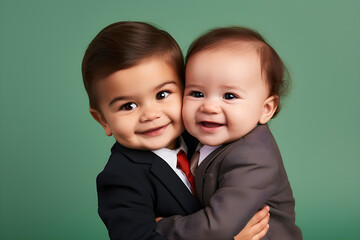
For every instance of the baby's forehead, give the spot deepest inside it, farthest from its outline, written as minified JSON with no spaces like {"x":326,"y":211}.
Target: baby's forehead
{"x":235,"y":46}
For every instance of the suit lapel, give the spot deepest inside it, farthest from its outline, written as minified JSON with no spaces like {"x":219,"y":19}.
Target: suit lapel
{"x":163,"y":172}
{"x":175,"y":186}
{"x":201,"y":169}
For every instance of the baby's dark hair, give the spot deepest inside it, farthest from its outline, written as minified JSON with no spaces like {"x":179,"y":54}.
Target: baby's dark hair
{"x":123,"y":45}
{"x":273,"y":69}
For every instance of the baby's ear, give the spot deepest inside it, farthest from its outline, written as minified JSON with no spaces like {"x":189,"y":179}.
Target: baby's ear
{"x":100,"y":119}
{"x":269,"y":108}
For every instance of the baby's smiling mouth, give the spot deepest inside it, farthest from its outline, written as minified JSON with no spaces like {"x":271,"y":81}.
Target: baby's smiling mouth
{"x":211,"y":124}
{"x":154,"y":131}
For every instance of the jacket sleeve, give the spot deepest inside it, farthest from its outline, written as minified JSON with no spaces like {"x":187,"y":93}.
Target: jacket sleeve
{"x":126,"y":205}
{"x":247,"y":179}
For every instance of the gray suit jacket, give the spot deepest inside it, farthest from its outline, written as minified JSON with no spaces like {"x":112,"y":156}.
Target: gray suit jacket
{"x":233,"y":183}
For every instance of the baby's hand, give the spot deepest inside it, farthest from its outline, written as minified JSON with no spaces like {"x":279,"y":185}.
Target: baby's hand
{"x":158,"y":219}
{"x":257,"y":227}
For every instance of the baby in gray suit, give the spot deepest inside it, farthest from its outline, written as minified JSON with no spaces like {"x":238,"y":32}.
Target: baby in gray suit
{"x":234,"y":81}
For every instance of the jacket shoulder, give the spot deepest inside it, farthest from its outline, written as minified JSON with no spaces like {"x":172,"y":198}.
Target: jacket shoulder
{"x":125,"y":164}
{"x":259,"y":139}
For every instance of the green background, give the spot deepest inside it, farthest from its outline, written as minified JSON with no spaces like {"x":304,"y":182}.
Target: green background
{"x":51,"y":149}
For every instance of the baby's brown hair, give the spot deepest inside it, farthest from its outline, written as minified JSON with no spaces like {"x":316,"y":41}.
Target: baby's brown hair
{"x":123,"y":45}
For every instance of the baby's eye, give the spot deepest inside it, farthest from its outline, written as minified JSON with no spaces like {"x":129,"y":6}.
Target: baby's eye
{"x":128,"y":106}
{"x":230,"y":96}
{"x":162,"y":95}
{"x":197,"y":94}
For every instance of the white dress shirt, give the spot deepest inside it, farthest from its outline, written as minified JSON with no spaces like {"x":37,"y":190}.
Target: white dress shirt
{"x":205,"y":151}
{"x":170,"y":157}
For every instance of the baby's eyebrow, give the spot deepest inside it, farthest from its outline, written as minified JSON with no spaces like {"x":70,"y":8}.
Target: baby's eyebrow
{"x":164,"y":84}
{"x":121,"y":98}
{"x":192,"y":86}
{"x":124,"y":98}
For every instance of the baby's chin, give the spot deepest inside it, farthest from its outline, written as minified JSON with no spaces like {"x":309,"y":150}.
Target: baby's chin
{"x":149,"y":146}
{"x":210,"y":142}
{"x":215,"y":141}
{"x":157,"y":146}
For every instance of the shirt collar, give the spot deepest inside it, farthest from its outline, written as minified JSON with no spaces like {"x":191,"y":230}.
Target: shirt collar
{"x":205,"y":151}
{"x":170,"y":155}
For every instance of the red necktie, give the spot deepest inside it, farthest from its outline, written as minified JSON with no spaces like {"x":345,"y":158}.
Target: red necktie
{"x":183,"y":164}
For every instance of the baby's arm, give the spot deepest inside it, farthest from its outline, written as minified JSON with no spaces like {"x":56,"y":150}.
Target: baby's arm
{"x":126,"y":207}
{"x":255,"y":229}
{"x":245,"y":182}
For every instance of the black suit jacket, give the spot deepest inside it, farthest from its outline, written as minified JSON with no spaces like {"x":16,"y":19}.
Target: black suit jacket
{"x":232,"y":183}
{"x":134,"y":188}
